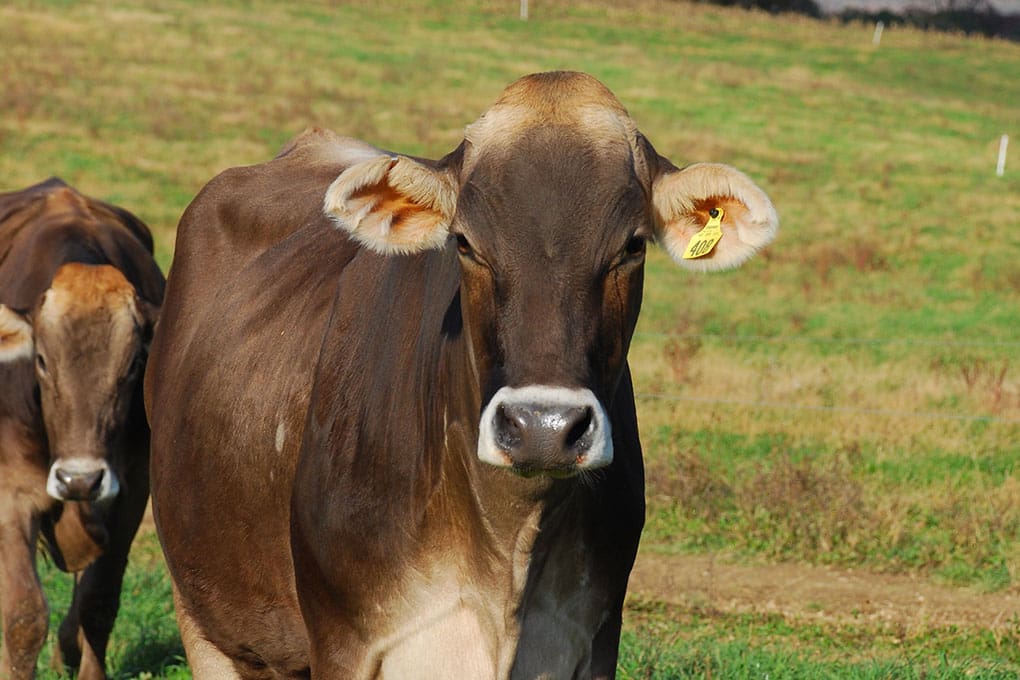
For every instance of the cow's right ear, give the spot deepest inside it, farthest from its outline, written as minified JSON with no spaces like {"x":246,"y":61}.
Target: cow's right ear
{"x":16,"y":341}
{"x":393,"y":204}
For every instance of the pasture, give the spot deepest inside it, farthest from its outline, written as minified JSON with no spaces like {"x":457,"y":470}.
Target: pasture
{"x":845,"y":407}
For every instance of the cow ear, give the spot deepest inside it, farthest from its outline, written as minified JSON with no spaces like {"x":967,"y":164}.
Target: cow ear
{"x":393,"y":205}
{"x":686,"y":200}
{"x":16,"y":341}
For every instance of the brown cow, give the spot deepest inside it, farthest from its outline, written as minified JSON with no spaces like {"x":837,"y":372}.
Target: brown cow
{"x":394,"y":433}
{"x":79,"y":294}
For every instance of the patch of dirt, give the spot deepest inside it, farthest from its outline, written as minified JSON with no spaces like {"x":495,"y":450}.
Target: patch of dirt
{"x":818,"y":594}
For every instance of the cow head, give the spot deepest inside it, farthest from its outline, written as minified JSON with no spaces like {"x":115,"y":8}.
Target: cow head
{"x":88,"y":335}
{"x":550,"y":201}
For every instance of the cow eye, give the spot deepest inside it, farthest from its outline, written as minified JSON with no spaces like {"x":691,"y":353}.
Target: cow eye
{"x":635,"y":246}
{"x":40,"y":363}
{"x":463,"y":247}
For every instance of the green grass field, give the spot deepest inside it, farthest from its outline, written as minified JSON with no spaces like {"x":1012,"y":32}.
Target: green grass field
{"x":850,"y":398}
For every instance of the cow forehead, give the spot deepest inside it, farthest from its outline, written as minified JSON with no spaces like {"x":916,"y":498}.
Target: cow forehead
{"x":81,"y":290}
{"x":572,"y":102}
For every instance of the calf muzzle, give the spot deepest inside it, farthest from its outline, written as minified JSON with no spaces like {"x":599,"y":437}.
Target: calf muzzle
{"x":82,"y":480}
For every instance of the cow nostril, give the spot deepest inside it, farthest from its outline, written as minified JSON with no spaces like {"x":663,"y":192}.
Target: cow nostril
{"x":64,"y":477}
{"x":510,"y":426}
{"x":95,"y":483}
{"x":579,"y":428}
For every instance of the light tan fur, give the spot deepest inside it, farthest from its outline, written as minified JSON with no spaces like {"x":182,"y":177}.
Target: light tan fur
{"x":393,"y":205}
{"x":682,"y":202}
{"x":324,"y":145}
{"x":575,"y":101}
{"x":15,"y":336}
{"x":79,"y":289}
{"x":454,"y":627}
{"x":205,"y":661}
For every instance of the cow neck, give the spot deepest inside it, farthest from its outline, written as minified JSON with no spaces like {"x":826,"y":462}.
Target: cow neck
{"x":504,"y":513}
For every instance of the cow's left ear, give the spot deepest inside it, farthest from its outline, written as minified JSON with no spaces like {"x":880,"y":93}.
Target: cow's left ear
{"x":16,"y":339}
{"x":685,"y":202}
{"x":393,"y":204}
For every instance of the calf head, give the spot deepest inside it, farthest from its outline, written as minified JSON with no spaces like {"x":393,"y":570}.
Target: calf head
{"x":550,"y":202}
{"x":88,"y":335}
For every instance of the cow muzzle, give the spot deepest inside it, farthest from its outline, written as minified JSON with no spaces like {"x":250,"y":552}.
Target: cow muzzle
{"x":82,"y":479}
{"x":540,"y":429}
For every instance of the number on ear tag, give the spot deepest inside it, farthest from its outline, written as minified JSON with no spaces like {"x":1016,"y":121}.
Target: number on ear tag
{"x":704,"y":241}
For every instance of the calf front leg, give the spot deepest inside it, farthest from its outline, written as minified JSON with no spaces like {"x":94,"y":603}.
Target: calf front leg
{"x":24,"y":611}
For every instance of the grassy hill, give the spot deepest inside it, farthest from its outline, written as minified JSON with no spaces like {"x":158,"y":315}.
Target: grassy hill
{"x":850,"y":398}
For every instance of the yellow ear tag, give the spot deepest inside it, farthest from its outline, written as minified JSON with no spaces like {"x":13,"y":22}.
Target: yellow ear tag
{"x":703,"y":242}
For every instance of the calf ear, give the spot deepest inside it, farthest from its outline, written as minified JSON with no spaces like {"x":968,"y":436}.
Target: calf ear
{"x":686,"y":199}
{"x":146,"y":316}
{"x":16,"y":341}
{"x":393,"y":204}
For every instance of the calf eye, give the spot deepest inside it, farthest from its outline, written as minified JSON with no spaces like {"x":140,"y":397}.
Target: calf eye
{"x":463,"y":247}
{"x":136,"y":365}
{"x":40,"y":363}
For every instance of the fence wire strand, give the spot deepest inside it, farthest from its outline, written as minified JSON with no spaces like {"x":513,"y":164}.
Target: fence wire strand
{"x":847,"y":410}
{"x":781,"y":339}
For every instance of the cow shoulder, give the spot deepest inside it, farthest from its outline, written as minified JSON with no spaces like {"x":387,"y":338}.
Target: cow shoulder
{"x":248,"y":209}
{"x":254,"y":254}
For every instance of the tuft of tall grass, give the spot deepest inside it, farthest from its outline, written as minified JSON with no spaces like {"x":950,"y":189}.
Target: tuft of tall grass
{"x":793,"y":504}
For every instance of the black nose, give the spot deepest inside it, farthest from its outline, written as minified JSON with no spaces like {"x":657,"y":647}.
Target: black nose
{"x":79,"y":486}
{"x":541,"y":438}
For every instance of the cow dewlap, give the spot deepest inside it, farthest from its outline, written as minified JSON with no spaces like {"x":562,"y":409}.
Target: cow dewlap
{"x":15,"y":336}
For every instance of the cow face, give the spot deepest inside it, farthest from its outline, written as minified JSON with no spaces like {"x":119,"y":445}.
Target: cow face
{"x":90,"y":332}
{"x":550,"y":202}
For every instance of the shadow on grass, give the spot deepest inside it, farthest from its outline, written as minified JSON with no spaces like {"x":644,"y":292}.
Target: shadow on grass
{"x":156,"y":658}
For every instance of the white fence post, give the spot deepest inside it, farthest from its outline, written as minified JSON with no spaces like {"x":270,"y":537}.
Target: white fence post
{"x":1000,"y":167}
{"x":524,"y":10}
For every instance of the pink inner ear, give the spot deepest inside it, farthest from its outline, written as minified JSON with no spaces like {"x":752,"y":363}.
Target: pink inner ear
{"x":736,"y":211}
{"x":391,"y":222}
{"x":691,"y":222}
{"x":386,"y":200}
{"x":15,"y":336}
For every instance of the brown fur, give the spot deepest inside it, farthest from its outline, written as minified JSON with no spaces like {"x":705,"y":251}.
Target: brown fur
{"x":78,"y":268}
{"x":368,"y":540}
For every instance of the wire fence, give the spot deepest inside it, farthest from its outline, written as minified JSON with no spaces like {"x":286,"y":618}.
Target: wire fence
{"x":791,"y":339}
{"x":845,"y":410}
